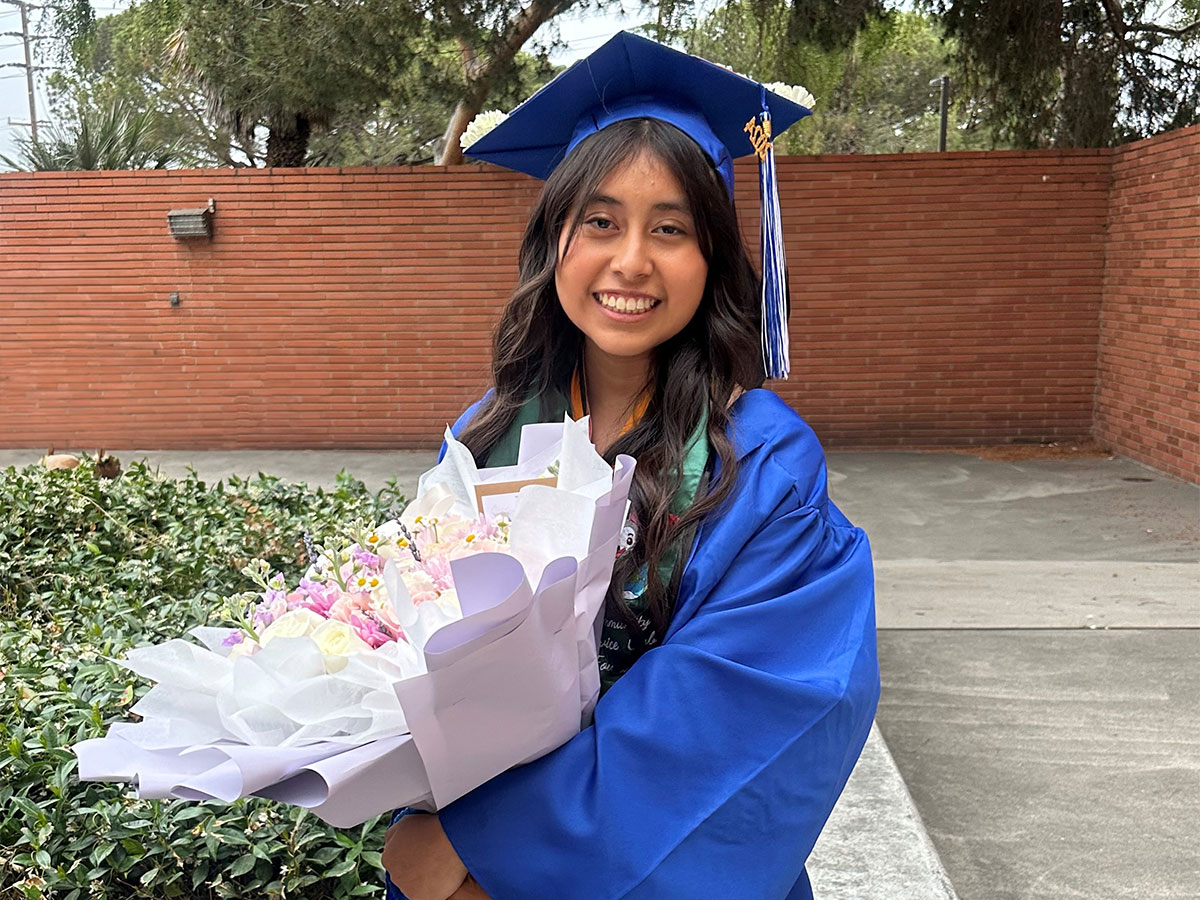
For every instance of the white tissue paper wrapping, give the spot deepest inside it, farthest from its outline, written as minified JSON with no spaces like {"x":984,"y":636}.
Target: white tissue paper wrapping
{"x":416,"y":724}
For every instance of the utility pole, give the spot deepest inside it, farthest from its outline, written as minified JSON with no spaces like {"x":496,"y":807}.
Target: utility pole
{"x":944,"y":81}
{"x":28,"y":65}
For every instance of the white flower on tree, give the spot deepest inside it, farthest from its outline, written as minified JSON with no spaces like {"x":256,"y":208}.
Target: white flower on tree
{"x":793,"y":92}
{"x":481,"y":125}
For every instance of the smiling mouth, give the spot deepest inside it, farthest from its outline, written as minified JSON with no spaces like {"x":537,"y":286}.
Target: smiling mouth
{"x":620,"y":303}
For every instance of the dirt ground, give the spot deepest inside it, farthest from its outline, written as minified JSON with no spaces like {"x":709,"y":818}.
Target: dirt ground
{"x":1086,"y":449}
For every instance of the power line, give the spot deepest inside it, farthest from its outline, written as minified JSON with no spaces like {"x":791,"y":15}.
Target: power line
{"x":27,"y":39}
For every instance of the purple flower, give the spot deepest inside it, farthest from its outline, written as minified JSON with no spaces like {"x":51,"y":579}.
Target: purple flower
{"x":233,"y":639}
{"x":366,"y":558}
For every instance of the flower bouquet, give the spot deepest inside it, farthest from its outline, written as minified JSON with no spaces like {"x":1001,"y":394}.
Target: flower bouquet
{"x":408,"y":665}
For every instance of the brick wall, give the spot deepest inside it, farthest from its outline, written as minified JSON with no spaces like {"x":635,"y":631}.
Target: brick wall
{"x":331,"y":309}
{"x":947,"y":298}
{"x":1148,"y":398}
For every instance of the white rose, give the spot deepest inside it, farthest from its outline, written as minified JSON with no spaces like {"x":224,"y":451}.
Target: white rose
{"x":336,"y":638}
{"x":293,"y":623}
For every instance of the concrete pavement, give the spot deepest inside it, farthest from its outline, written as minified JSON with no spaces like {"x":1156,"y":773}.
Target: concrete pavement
{"x":1041,"y":667}
{"x":1040,"y":642}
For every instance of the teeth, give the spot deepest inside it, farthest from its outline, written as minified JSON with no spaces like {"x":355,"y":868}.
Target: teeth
{"x":619,"y":303}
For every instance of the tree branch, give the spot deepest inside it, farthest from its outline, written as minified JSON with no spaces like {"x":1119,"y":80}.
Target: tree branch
{"x":480,"y":73}
{"x":1172,"y":59}
{"x":1116,"y":18}
{"x":1168,"y":32}
{"x":524,"y":25}
{"x":470,"y":58}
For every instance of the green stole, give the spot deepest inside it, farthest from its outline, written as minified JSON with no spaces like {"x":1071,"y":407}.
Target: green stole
{"x":621,"y":642}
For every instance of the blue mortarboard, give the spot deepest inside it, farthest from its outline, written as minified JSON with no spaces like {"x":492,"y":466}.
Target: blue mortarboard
{"x":630,"y":77}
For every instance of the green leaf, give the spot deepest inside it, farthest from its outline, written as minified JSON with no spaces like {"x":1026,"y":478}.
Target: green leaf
{"x":101,"y":852}
{"x":191,"y":812}
{"x":341,"y":868}
{"x":242,"y":865}
{"x":199,"y":874}
{"x":325,"y":855}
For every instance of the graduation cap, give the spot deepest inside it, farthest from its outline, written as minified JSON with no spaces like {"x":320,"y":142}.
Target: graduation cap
{"x":631,"y":77}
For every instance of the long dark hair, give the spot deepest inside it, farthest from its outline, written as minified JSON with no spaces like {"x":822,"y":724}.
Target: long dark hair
{"x":536,"y":348}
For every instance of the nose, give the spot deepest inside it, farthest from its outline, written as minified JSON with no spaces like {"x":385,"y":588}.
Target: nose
{"x":631,"y":257}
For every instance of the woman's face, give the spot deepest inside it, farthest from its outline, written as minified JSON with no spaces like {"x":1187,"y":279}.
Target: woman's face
{"x":634,"y":275}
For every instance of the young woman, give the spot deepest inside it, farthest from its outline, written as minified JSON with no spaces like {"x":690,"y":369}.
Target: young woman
{"x":738,"y":655}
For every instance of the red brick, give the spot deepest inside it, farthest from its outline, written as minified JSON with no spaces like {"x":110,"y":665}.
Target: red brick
{"x":962,"y":298}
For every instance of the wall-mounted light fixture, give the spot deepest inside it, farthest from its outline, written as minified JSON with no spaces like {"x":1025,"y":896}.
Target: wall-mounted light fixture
{"x":192,"y":223}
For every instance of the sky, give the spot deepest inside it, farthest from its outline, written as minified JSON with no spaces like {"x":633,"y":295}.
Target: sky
{"x":583,"y":32}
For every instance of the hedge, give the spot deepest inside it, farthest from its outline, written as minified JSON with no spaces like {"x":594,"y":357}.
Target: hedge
{"x":91,"y":566}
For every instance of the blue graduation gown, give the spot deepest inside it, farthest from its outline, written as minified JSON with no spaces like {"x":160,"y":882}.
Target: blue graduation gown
{"x":714,"y":762}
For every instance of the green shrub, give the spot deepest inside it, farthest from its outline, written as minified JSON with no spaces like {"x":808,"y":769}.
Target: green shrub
{"x":90,"y":567}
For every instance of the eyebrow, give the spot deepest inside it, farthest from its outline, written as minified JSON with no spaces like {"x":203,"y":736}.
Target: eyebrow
{"x":658,"y":207}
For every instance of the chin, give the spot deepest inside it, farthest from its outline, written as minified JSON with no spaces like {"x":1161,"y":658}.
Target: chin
{"x":624,"y":349}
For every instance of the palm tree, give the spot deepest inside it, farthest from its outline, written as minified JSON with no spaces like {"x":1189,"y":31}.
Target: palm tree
{"x":109,"y":136}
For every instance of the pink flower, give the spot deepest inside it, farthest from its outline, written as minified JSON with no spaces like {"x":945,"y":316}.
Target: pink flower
{"x":319,"y":597}
{"x":386,"y":617}
{"x":418,"y":580}
{"x":424,"y":597}
{"x":367,"y":629}
{"x":481,"y":545}
{"x":438,"y":569}
{"x":346,"y":606}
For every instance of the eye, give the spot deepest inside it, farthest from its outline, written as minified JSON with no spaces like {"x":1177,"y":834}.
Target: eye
{"x":601,"y":223}
{"x":671,"y":229}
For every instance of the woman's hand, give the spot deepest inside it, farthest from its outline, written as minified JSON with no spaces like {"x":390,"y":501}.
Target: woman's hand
{"x":421,"y":860}
{"x":470,"y":890}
